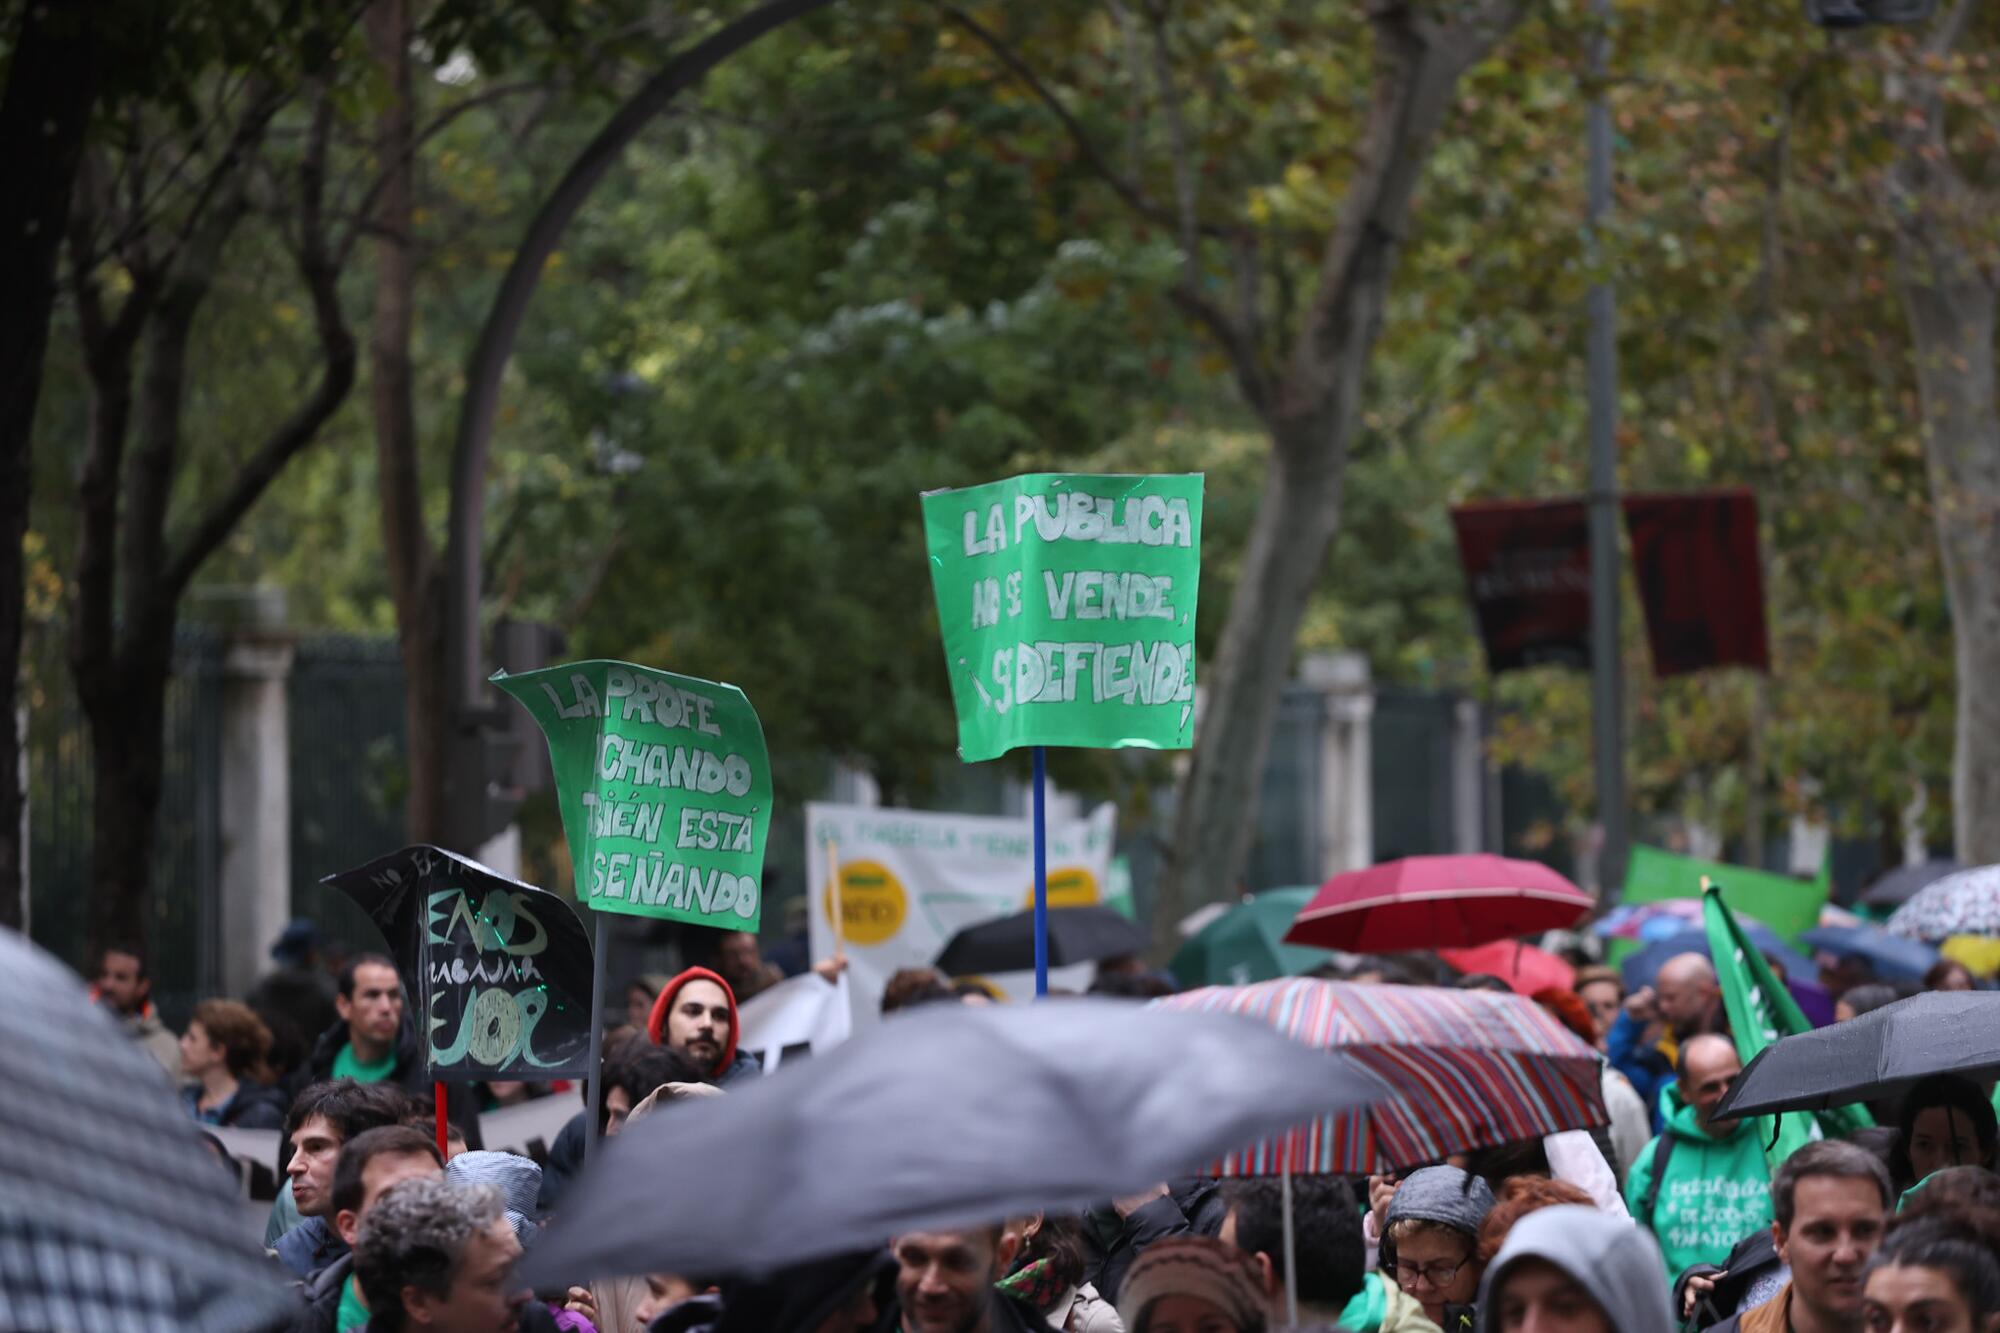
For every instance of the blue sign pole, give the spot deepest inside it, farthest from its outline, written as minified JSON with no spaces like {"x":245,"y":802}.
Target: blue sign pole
{"x":1041,"y":873}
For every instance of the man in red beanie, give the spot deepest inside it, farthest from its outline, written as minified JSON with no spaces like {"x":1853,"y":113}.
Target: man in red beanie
{"x":696,"y":1016}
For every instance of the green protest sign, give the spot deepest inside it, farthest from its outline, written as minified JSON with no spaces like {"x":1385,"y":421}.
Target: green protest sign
{"x":1067,"y":606}
{"x":1786,"y":905}
{"x":665,"y":789}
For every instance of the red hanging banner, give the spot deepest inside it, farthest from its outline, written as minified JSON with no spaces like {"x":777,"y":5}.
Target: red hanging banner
{"x":1527,"y":570}
{"x":1700,"y":578}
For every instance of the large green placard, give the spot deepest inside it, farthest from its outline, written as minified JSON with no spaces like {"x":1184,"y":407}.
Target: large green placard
{"x":665,"y":789}
{"x":1067,"y":605}
{"x":1786,"y":905}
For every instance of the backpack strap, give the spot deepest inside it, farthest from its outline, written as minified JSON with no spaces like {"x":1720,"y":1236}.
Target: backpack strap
{"x":1663,"y":1151}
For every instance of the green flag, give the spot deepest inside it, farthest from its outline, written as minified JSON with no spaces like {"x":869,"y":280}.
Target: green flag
{"x":1067,"y":608}
{"x":665,"y":789}
{"x":1761,"y":1010}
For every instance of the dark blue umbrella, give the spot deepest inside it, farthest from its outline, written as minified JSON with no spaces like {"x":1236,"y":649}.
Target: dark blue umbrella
{"x":1643,"y":966}
{"x":1891,"y":956}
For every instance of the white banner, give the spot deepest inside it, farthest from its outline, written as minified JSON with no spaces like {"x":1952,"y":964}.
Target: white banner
{"x":802,"y":1015}
{"x":529,"y":1126}
{"x":909,"y":881}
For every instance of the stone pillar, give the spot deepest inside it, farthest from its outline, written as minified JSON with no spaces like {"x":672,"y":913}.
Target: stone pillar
{"x":255,"y":896}
{"x":1346,"y":814}
{"x":1468,"y":778}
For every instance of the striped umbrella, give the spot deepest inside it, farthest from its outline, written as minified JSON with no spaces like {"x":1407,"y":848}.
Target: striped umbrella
{"x":1470,"y":1069}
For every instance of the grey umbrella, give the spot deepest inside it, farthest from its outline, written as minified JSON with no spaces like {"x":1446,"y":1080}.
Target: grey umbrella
{"x":113,"y":1213}
{"x":1901,"y":884}
{"x":1876,"y":1056}
{"x":941,"y":1117}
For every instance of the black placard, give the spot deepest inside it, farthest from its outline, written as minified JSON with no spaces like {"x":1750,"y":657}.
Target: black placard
{"x":499,"y":970}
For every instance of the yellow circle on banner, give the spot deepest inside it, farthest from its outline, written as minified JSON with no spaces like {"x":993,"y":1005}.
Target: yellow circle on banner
{"x":1072,"y":886}
{"x":872,"y":903}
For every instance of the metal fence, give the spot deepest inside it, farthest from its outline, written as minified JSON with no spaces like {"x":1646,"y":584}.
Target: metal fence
{"x":349,"y":773}
{"x":349,"y":778}
{"x":1410,"y":757}
{"x":184,"y":929}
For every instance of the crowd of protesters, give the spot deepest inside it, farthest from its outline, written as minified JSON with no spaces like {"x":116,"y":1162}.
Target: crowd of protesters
{"x":1668,"y":1217}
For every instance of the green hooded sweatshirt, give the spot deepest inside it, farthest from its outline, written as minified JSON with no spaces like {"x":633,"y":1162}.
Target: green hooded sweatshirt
{"x":1716,"y":1191}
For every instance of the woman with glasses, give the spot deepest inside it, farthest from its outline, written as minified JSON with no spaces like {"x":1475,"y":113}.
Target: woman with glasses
{"x":1430,"y":1242}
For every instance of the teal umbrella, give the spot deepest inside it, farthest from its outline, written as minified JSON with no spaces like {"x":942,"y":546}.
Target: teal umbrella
{"x":1246,"y":943}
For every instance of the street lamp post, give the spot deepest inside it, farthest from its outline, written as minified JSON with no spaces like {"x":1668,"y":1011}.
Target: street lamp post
{"x":1607,"y":694}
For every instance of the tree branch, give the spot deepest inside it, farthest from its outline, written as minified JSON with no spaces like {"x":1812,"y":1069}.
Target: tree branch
{"x":488,"y":362}
{"x":1177,"y":144}
{"x":336,"y":376}
{"x":1127,"y":191}
{"x":364,"y":210}
{"x":1417,"y":65}
{"x":108,"y":343}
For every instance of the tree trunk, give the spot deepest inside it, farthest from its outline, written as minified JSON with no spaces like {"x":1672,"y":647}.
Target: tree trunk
{"x":1951,"y":309}
{"x":132,"y":565}
{"x":1311,"y":418}
{"x":125,"y":705}
{"x":407,"y":553}
{"x":44,"y":114}
{"x":1294,"y":525}
{"x":1946,"y":277}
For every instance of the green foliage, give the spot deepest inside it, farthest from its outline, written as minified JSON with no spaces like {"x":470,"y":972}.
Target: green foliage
{"x":825,"y":323}
{"x":865,"y":262}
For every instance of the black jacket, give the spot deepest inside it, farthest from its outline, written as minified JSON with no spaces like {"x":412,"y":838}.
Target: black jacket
{"x":256,"y":1106}
{"x":796,"y":1299}
{"x":1751,"y":1258}
{"x":1190,"y":1208}
{"x":310,"y":1248}
{"x":321,"y":1292}
{"x":565,"y":1160}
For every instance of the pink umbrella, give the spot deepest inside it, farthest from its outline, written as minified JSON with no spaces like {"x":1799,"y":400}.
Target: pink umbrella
{"x":1437,"y":902}
{"x":1522,"y":966}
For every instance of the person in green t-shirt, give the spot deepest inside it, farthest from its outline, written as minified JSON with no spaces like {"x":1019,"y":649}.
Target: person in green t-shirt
{"x":1702,"y":1184}
{"x":370,"y":1003}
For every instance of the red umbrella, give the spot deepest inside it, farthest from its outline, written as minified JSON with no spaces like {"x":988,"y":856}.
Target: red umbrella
{"x":1437,"y":902}
{"x":1522,"y":966}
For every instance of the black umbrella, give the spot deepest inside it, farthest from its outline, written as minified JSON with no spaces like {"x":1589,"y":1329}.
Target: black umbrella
{"x":1873,"y":1057}
{"x":114,"y":1215}
{"x":1007,"y":944}
{"x":943,"y":1117}
{"x":1901,"y":884}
